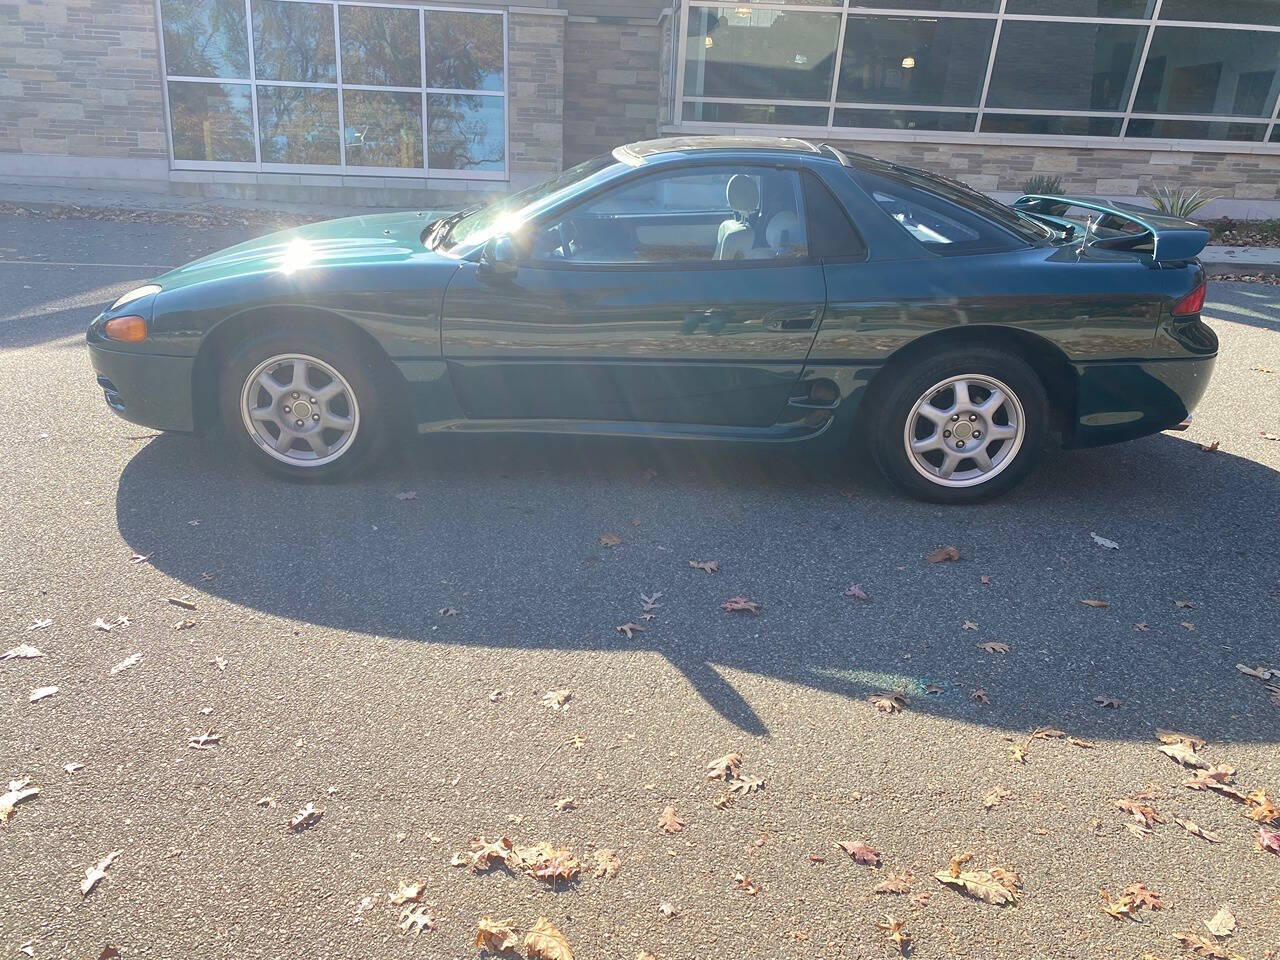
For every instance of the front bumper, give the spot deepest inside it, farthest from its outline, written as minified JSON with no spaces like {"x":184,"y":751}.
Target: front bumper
{"x":152,"y":391}
{"x":1118,"y":401}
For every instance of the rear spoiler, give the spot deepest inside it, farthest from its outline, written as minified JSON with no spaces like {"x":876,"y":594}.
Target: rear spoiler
{"x":1124,"y":226}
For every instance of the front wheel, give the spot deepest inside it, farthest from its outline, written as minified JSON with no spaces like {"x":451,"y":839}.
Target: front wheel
{"x":303,"y":406}
{"x":961,"y":426}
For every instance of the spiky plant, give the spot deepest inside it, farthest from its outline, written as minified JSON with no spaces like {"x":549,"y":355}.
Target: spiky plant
{"x":1177,"y":202}
{"x":1044,"y":184}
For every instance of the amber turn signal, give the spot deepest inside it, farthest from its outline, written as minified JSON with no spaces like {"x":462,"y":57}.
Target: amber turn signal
{"x":125,"y":329}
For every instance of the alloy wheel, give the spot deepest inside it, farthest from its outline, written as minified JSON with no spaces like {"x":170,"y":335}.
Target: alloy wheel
{"x":299,"y":410}
{"x":964,"y":430}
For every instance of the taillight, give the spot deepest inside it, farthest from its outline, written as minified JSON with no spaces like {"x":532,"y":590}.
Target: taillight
{"x":125,"y":329}
{"x":1191,"y":304}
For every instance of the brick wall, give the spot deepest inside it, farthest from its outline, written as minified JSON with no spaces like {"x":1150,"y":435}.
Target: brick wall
{"x":535,"y":85}
{"x":611,"y":84}
{"x":80,"y":78}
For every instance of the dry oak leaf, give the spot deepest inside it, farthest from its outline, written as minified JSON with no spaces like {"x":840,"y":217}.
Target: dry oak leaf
{"x":896,"y":931}
{"x":484,"y":853}
{"x":206,"y":741}
{"x":1108,"y":703}
{"x":723,"y":802}
{"x":996,"y":885}
{"x":610,"y":540}
{"x":738,"y":604}
{"x":125,"y":664}
{"x":567,"y":803}
{"x":1142,"y":813}
{"x":979,"y":696}
{"x":1144,"y":896}
{"x":497,"y":936}
{"x":1209,"y":447}
{"x":1188,"y":626}
{"x":1223,"y":923}
{"x":746,"y":884}
{"x":887,"y":702}
{"x":1204,"y":947}
{"x":668,"y":909}
{"x":1184,"y":604}
{"x":630,"y":628}
{"x":668,"y":822}
{"x":607,"y":864}
{"x":993,"y":647}
{"x":1123,"y":908}
{"x":306,"y":818}
{"x":1262,"y":673}
{"x":862,"y":853}
{"x":985,"y":580}
{"x":968,"y":625}
{"x":857,"y":593}
{"x":1211,"y":778}
{"x":1196,"y":830}
{"x":896,"y":883}
{"x":707,"y":566}
{"x":19,"y":790}
{"x":416,"y":919}
{"x":1269,"y":840}
{"x":745,"y":785}
{"x":724,"y":768}
{"x":23,"y":651}
{"x":556,"y":699}
{"x":1173,"y":736}
{"x":650,"y":603}
{"x":995,"y":797}
{"x":408,"y":891}
{"x":545,"y":862}
{"x":943,"y":554}
{"x":1261,"y":809}
{"x":97,"y":872}
{"x":1096,"y":604}
{"x":545,"y":942}
{"x":1141,"y":627}
{"x":1184,"y":754}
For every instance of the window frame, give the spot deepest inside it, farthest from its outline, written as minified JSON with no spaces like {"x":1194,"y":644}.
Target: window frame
{"x":342,"y":168}
{"x":1270,"y":125}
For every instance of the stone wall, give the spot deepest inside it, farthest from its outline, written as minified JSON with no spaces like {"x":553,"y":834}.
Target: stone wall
{"x":81,"y":78}
{"x":535,"y":87}
{"x":611,"y":84}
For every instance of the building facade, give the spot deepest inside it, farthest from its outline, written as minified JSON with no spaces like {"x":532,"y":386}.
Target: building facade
{"x":404,"y":102}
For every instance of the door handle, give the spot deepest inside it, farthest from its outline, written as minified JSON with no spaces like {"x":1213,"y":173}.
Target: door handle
{"x":799,"y":320}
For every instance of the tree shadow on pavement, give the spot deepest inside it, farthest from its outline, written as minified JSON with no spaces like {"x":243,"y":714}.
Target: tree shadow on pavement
{"x":506,"y":530}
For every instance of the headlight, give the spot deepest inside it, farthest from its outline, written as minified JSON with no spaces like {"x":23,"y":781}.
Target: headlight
{"x":136,"y":293}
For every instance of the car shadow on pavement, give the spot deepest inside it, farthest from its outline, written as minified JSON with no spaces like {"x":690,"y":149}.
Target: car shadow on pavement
{"x":507,"y":532}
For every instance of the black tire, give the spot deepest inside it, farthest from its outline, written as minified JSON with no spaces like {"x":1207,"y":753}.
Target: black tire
{"x":366,"y":377}
{"x":894,"y":399}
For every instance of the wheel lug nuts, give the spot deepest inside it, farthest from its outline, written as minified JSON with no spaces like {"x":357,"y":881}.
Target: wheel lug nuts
{"x":295,"y":395}
{"x":959,"y":443}
{"x":977,"y":434}
{"x":315,"y":417}
{"x":946,"y":433}
{"x":288,"y":409}
{"x":973,"y":417}
{"x":298,"y":422}
{"x":955,"y":416}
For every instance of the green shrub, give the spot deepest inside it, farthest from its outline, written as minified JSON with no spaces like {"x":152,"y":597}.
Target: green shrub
{"x":1177,"y":202}
{"x":1043,"y":183}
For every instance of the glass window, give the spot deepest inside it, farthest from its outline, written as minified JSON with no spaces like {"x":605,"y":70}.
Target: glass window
{"x":298,"y":125}
{"x":211,"y":121}
{"x":1130,"y":9}
{"x":1215,"y":72}
{"x":1057,"y":125}
{"x":464,"y":50}
{"x":1092,"y":66}
{"x":905,"y":119}
{"x":380,"y":46}
{"x":831,"y":235}
{"x":917,"y":60}
{"x":959,"y":6}
{"x":465,"y":133}
{"x":293,"y":41}
{"x":1196,"y":129}
{"x":757,"y":113}
{"x":1266,"y":12}
{"x":754,"y":53}
{"x":205,"y":38}
{"x":384,"y":128}
{"x":721,"y":214}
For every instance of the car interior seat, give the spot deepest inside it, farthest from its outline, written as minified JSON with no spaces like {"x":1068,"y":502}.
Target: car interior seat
{"x":736,"y":236}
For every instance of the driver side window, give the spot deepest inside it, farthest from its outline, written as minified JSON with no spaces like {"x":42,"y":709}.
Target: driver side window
{"x":706,"y":215}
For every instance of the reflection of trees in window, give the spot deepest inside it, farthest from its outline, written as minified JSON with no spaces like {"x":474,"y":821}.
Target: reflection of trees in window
{"x":464,"y":50}
{"x":298,"y":125}
{"x":384,"y":128}
{"x":211,"y":121}
{"x":380,"y":46}
{"x":205,"y":38}
{"x":293,"y":41}
{"x":465,"y":133}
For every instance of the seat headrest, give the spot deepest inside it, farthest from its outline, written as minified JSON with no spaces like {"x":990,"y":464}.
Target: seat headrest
{"x":780,"y":224}
{"x":742,"y":194}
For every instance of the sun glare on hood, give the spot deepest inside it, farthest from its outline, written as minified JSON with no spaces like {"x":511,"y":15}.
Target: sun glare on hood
{"x":297,"y":255}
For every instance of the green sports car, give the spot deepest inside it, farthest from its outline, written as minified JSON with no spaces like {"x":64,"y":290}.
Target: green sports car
{"x":703,"y":288}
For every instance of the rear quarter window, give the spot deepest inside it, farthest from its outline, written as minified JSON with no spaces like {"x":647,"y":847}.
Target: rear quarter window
{"x":940,"y":226}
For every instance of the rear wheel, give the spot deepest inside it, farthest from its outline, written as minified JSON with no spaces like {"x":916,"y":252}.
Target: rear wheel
{"x":959,"y":426}
{"x":304,"y":404}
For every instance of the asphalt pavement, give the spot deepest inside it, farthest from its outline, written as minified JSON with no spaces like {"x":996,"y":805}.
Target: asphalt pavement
{"x":383,"y":650}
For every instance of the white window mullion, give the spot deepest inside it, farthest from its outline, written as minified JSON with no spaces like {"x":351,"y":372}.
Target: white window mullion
{"x":422,"y":81}
{"x":337,"y":60}
{"x":1142,"y":65}
{"x":991,"y":65}
{"x":253,"y":86}
{"x":835,"y":77}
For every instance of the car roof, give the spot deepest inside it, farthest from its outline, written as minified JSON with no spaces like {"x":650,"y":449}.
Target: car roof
{"x":646,"y":151}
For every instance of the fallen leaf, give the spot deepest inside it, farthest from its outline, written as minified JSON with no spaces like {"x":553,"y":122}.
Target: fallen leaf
{"x":125,"y":664}
{"x":407,"y":495}
{"x":95,"y":873}
{"x":1144,"y":896}
{"x":996,"y":886}
{"x":556,"y":699}
{"x":416,"y":919}
{"x":139,"y":558}
{"x":448,"y":611}
{"x":709,"y":566}
{"x":1211,"y":778}
{"x":1269,"y":840}
{"x":895,"y":883}
{"x":979,"y":696}
{"x":544,"y":862}
{"x":943,"y":554}
{"x":896,"y":931}
{"x":41,"y":693}
{"x":1140,"y":628}
{"x":265,"y":802}
{"x":39,"y":625}
{"x":668,"y":909}
{"x":182,"y":602}
{"x":484,"y":853}
{"x":630,"y":628}
{"x":993,"y":647}
{"x":1122,"y":908}
{"x":187,"y":625}
{"x":744,"y":785}
{"x":1260,"y":807}
{"x":1204,"y":947}
{"x":305,"y":818}
{"x":497,"y":936}
{"x":985,"y":580}
{"x":1173,"y":736}
{"x":857,"y":593}
{"x":1196,"y":830}
{"x":650,"y":603}
{"x":567,"y":803}
{"x":739,"y":604}
{"x":668,"y":822}
{"x":862,"y":853}
{"x":1140,"y":811}
{"x":1184,"y":604}
{"x":545,"y":942}
{"x":887,"y":702}
{"x":724,"y":768}
{"x":1097,"y":604}
{"x":1262,"y":673}
{"x":1209,"y":447}
{"x":73,"y":767}
{"x":745,"y":884}
{"x":1018,"y":751}
{"x":408,"y":891}
{"x":206,"y":741}
{"x":995,"y":797}
{"x":1108,"y":703}
{"x":610,"y":540}
{"x":1222,"y":924}
{"x":23,"y":651}
{"x":102,"y":625}
{"x":934,"y":689}
{"x":1104,"y":542}
{"x":723,"y":802}
{"x":19,"y":790}
{"x":1184,"y":754}
{"x":969,"y":625}
{"x":607,"y":864}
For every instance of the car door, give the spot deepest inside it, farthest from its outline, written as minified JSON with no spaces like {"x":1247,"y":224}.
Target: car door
{"x":668,"y":298}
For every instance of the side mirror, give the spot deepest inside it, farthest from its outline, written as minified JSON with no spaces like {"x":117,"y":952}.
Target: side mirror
{"x":499,"y":257}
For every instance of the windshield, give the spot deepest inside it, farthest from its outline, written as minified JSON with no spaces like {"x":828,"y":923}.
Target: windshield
{"x":479,"y":225}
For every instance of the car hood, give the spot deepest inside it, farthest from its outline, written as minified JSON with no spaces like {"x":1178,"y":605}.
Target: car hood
{"x":350,"y":241}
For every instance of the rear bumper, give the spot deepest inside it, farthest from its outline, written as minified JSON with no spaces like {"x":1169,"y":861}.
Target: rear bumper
{"x":1118,"y":401}
{"x":152,"y":391}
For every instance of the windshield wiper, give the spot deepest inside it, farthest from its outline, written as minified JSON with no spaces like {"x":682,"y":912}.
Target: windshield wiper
{"x":441,"y":229}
